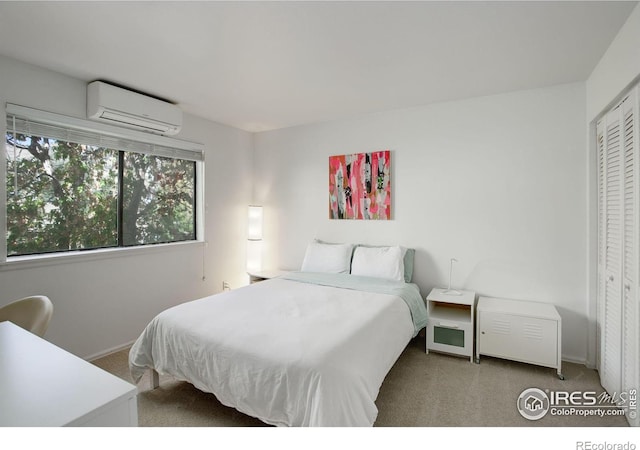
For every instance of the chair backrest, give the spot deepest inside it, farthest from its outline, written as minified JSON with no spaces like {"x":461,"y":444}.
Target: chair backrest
{"x":31,"y":313}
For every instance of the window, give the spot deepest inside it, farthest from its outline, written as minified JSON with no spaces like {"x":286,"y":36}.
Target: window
{"x":72,"y":189}
{"x":158,"y":199}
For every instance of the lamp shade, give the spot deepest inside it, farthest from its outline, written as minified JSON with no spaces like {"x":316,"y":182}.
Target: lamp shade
{"x":254,"y":232}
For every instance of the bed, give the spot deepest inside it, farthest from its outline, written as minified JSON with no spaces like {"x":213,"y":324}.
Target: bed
{"x":302,"y":349}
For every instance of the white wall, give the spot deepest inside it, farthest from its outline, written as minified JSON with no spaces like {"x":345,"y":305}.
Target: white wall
{"x":104,"y":303}
{"x":497,"y":182}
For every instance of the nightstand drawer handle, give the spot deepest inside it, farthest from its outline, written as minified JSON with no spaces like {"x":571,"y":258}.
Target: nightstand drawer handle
{"x":447,"y":325}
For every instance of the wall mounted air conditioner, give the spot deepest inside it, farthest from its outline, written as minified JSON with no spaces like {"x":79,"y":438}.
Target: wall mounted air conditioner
{"x":117,"y":106}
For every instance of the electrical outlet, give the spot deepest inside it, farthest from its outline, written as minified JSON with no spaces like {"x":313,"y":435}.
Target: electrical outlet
{"x":225,"y":286}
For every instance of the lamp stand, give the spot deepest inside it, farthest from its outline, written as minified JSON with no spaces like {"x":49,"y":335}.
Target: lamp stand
{"x":450,"y":291}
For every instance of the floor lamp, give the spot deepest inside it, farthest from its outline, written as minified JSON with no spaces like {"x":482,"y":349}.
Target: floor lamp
{"x":254,"y":239}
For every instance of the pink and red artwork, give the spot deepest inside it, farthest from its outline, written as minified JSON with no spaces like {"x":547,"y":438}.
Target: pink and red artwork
{"x":359,"y":186}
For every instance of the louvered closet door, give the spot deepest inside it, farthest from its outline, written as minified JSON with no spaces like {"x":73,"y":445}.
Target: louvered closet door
{"x":630,"y":210}
{"x":611,"y":335}
{"x":602,"y":284}
{"x":618,"y":246}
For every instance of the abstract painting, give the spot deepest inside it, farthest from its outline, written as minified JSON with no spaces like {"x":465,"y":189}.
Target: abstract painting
{"x":360,"y":186}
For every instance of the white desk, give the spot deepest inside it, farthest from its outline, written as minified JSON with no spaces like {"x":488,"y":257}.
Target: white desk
{"x":42,"y":385}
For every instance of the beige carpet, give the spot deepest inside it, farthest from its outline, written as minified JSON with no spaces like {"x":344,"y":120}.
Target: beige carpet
{"x":433,"y":390}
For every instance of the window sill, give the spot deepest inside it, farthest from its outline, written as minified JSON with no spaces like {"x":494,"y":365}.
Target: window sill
{"x":53,"y":259}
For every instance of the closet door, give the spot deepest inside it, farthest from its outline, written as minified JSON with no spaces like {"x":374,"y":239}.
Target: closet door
{"x":630,"y":321}
{"x":618,"y":150}
{"x":611,"y":234}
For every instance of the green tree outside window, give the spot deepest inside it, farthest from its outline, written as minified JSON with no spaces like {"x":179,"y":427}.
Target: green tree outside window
{"x":64,"y":196}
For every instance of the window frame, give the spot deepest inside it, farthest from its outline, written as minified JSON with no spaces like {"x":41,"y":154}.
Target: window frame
{"x":148,"y":141}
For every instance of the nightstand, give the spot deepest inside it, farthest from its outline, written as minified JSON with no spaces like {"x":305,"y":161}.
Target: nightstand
{"x":450,"y":322}
{"x":262,"y":275}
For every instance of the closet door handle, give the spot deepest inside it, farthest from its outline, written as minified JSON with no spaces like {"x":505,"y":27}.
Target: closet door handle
{"x":610,"y":278}
{"x":627,"y":287}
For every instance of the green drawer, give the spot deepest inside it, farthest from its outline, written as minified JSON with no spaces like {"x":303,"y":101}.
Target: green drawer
{"x":448,"y":336}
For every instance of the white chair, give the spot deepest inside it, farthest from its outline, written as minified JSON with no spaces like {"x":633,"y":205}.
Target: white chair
{"x":31,"y":313}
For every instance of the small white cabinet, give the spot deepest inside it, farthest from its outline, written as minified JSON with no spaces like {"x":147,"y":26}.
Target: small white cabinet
{"x":450,"y":319}
{"x":524,"y":331}
{"x":255,"y":277}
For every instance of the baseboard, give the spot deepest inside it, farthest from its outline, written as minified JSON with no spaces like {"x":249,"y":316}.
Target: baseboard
{"x":571,"y":359}
{"x":109,"y":351}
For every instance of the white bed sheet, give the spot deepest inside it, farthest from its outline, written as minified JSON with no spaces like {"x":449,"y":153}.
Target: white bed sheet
{"x":286,"y":352}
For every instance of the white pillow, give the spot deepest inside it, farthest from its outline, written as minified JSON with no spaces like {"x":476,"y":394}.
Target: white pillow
{"x":379,"y":262}
{"x":328,"y":258}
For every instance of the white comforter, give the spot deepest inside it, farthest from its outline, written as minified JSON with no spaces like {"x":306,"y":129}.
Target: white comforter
{"x":286,"y":352}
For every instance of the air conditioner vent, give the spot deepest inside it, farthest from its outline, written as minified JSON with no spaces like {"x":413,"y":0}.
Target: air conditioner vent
{"x":112,"y":104}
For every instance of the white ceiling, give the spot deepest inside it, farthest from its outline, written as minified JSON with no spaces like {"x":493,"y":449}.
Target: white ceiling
{"x":266,"y":65}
